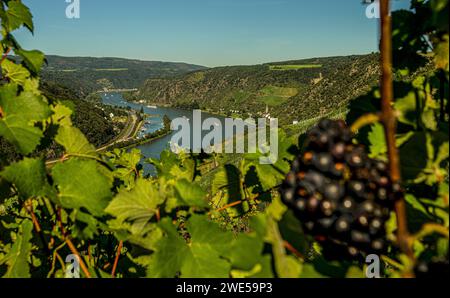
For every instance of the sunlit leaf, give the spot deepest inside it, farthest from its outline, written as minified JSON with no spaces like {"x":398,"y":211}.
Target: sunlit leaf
{"x":18,"y":257}
{"x":82,"y":185}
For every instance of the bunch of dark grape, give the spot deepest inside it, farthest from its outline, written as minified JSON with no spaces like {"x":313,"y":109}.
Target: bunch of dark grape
{"x":341,"y":196}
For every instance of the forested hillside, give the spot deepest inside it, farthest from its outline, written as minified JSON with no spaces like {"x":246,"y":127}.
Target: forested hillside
{"x":92,"y":120}
{"x":87,"y":74}
{"x":295,"y":89}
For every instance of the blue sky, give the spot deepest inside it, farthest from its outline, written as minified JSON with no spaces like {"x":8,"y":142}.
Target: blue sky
{"x":206,"y":32}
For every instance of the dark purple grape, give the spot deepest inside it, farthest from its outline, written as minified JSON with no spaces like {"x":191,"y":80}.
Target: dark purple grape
{"x":341,"y":196}
{"x":338,"y":150}
{"x":323,"y":162}
{"x":333,"y":191}
{"x":343,"y":224}
{"x":356,"y":188}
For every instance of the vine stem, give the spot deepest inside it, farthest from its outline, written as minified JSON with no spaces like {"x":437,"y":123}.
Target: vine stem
{"x":74,"y":250}
{"x":293,"y":250}
{"x":67,"y":156}
{"x":5,"y":54}
{"x":431,"y":228}
{"x":29,"y":207}
{"x":57,"y":256}
{"x":390,"y":124}
{"x":116,"y":261}
{"x":242,"y":201}
{"x":70,"y":244}
{"x":391,"y":262}
{"x":365,"y":120}
{"x":67,"y":240}
{"x":229,"y":206}
{"x":3,"y":59}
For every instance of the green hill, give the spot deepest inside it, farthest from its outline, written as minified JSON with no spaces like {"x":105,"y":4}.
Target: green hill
{"x":87,"y":74}
{"x":291,"y":90}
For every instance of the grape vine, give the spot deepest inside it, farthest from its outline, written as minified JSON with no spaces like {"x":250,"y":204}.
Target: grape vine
{"x":241,"y":218}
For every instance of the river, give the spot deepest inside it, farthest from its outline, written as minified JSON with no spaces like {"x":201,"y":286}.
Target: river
{"x":153,"y":149}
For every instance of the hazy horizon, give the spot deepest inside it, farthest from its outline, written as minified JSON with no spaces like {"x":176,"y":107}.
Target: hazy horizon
{"x":228,"y":65}
{"x":204,"y":32}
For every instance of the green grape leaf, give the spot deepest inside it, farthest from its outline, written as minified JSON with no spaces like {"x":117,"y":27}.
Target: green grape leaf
{"x":308,"y":271}
{"x":190,"y":194}
{"x":429,"y":119}
{"x":245,"y":251}
{"x":17,"y":15}
{"x":18,"y":257}
{"x":416,"y":212}
{"x":171,"y":251}
{"x":32,"y":85}
{"x":29,"y":106}
{"x":20,"y":113}
{"x":328,"y":269}
{"x":165,"y":163}
{"x":441,"y":52}
{"x":270,"y":175}
{"x":413,"y":157}
{"x":442,"y":154}
{"x":265,"y":268}
{"x":126,"y":163}
{"x":137,"y":206}
{"x":203,"y":261}
{"x":406,"y":109}
{"x":28,"y":176}
{"x":147,"y":239}
{"x":81,"y":184}
{"x":444,"y":191}
{"x":203,"y":257}
{"x":290,"y":230}
{"x":355,"y":272}
{"x":174,"y":166}
{"x":15,"y":72}
{"x":235,"y":273}
{"x":228,"y":180}
{"x":61,"y":115}
{"x":74,"y":141}
{"x":86,"y":226}
{"x":277,"y":209}
{"x":377,"y":141}
{"x":423,"y":156}
{"x":124,"y":158}
{"x":186,"y":170}
{"x":33,"y":59}
{"x":286,"y":266}
{"x":365,"y":104}
{"x":206,"y":232}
